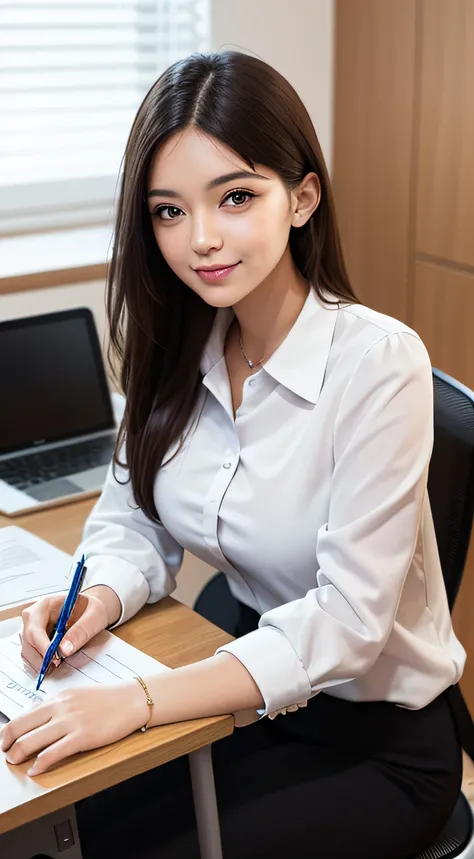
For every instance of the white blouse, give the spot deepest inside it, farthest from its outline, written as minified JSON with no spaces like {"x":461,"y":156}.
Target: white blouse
{"x":313,"y":502}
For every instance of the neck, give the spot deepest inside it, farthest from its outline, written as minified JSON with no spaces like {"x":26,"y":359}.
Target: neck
{"x":267,"y":314}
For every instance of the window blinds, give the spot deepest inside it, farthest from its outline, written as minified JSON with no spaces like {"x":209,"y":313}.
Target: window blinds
{"x":72,"y":75}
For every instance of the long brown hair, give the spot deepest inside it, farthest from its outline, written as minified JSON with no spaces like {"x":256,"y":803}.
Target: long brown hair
{"x":158,"y":325}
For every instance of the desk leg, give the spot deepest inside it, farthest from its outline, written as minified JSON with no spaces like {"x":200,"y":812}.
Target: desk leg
{"x":55,"y":836}
{"x":205,"y":803}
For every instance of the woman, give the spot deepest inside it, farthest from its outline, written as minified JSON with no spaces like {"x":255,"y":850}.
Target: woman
{"x":282,"y":433}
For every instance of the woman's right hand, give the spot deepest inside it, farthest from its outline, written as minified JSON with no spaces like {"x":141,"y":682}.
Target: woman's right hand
{"x":95,"y":609}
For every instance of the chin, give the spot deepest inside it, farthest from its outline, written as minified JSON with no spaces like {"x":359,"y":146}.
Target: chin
{"x":219,"y":300}
{"x":222,"y":296}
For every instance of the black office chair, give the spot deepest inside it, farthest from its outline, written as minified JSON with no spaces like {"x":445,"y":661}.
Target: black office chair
{"x":451,"y":492}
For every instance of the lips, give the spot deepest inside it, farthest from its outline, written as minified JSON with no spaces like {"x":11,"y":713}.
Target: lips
{"x":214,"y":267}
{"x":216,"y":273}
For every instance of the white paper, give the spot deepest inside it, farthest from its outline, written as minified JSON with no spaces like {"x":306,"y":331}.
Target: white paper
{"x":29,"y":567}
{"x":13,"y":500}
{"x":106,"y":659}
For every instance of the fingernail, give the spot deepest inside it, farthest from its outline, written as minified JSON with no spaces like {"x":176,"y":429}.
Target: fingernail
{"x":32,"y":771}
{"x":67,"y":647}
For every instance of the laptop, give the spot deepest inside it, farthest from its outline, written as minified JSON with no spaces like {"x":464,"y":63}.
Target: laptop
{"x":57,"y":424}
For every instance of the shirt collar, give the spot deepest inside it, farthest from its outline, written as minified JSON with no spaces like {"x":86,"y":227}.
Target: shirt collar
{"x":214,"y":349}
{"x":300,"y":361}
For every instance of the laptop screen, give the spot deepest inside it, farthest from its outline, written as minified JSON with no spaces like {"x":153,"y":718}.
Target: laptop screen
{"x":52,"y":380}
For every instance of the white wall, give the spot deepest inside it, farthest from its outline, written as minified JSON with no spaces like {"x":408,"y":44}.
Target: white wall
{"x":294,"y":36}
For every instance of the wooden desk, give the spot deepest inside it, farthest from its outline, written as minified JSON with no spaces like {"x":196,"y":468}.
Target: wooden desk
{"x":61,"y":526}
{"x":168,"y":631}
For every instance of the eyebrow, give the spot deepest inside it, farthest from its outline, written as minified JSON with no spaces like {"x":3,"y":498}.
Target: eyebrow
{"x":214,"y":183}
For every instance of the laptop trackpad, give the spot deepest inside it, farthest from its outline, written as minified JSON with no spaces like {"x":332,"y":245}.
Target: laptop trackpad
{"x":86,"y":481}
{"x":93,"y":478}
{"x":53,"y":489}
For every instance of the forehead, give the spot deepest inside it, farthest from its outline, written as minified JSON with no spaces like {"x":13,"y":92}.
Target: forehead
{"x":197,"y":157}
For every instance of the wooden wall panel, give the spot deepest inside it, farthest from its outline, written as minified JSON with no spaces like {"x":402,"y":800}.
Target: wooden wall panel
{"x":445,"y":198}
{"x":443,"y":317}
{"x":374,"y":92}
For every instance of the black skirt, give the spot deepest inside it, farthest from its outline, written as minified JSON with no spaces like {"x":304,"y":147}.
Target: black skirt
{"x":333,"y":780}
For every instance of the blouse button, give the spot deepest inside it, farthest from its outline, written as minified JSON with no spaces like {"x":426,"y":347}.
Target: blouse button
{"x":227,"y":465}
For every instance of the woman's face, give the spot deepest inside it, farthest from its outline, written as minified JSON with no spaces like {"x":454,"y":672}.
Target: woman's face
{"x":205,"y":214}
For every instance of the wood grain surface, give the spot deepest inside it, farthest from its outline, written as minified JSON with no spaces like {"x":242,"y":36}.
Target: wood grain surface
{"x":445,"y":181}
{"x":373,"y":138}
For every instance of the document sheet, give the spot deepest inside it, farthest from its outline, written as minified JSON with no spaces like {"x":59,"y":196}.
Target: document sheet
{"x":106,"y":659}
{"x":29,"y":567}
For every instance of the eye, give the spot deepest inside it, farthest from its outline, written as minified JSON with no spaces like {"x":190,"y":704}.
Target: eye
{"x":173,"y":213}
{"x":239,"y":193}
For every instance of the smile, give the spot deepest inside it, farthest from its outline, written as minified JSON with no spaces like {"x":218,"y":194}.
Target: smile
{"x":216,"y":273}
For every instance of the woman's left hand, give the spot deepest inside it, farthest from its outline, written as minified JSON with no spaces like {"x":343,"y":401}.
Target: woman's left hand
{"x":74,"y":721}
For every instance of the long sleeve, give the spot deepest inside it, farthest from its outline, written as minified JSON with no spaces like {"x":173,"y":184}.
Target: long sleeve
{"x":382,"y":443}
{"x":126,"y":550}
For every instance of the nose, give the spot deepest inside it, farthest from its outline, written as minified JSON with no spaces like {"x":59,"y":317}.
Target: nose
{"x":205,"y":236}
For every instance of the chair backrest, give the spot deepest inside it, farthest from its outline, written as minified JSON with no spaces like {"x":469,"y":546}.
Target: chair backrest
{"x":451,"y":476}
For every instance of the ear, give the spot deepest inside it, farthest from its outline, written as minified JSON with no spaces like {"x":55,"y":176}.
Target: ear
{"x":305,"y":199}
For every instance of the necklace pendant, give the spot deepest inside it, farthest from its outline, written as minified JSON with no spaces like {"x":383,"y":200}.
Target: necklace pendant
{"x":250,"y":363}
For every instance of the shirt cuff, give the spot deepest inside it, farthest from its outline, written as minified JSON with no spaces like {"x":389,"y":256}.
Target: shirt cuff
{"x":124,"y":578}
{"x":276,"y":668}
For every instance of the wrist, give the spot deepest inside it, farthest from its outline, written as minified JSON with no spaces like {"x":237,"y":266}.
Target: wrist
{"x":110,"y":601}
{"x":142,"y":704}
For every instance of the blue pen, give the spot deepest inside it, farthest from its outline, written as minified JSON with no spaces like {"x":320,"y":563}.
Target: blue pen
{"x":66,"y":612}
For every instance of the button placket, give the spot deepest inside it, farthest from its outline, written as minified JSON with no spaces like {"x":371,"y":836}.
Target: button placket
{"x":256,"y":389}
{"x":220,"y":484}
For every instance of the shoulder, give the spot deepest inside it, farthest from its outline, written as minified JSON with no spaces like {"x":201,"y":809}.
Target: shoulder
{"x":365,"y":333}
{"x":376,"y":357}
{"x":373,"y":324}
{"x":372,"y":351}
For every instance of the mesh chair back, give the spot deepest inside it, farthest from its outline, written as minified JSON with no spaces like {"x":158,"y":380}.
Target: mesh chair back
{"x":451,"y":476}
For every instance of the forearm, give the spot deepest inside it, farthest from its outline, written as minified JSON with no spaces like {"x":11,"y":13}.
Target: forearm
{"x":212,"y":687}
{"x":110,"y":600}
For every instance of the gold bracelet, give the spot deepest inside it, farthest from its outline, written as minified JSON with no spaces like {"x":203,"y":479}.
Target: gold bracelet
{"x":149,"y":701}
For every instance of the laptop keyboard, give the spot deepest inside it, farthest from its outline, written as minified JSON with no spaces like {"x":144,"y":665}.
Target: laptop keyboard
{"x":22,"y":472}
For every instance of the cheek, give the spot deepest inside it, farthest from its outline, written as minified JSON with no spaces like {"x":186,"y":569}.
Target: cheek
{"x":268,"y":234}
{"x":170,"y":243}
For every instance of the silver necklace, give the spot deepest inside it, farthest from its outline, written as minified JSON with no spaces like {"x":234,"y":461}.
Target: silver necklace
{"x":251,"y":364}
